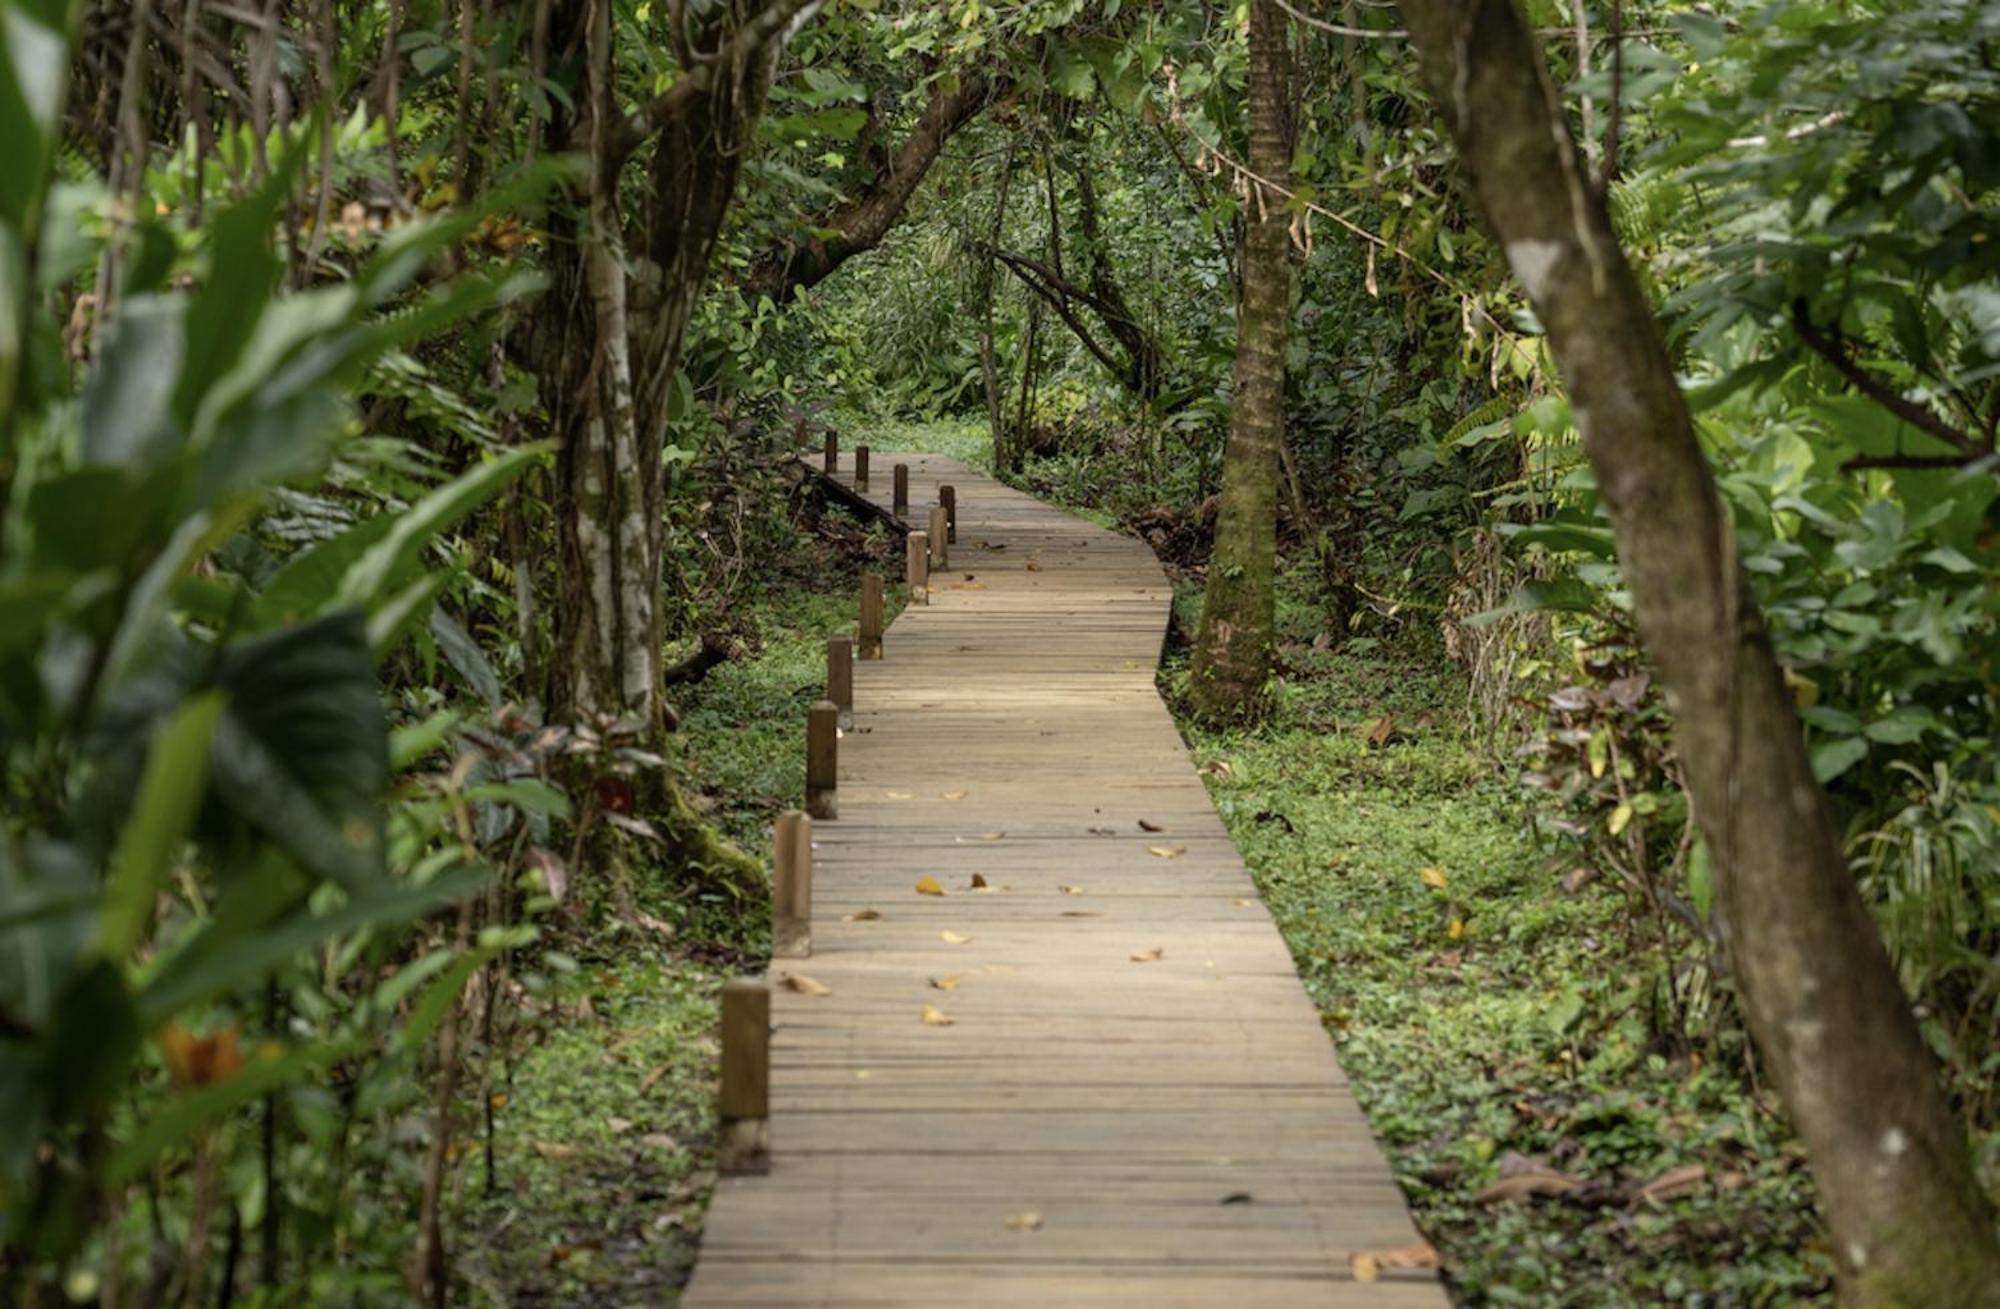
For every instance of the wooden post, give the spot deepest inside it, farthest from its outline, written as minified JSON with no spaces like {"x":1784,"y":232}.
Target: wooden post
{"x":948,"y":497}
{"x":861,"y":468}
{"x":744,"y":1103}
{"x":840,"y":676}
{"x":871,"y":616}
{"x":940,"y":559}
{"x":900,"y":503}
{"x":822,"y":759}
{"x":917,"y":565}
{"x":799,"y":433}
{"x":792,"y":886}
{"x":832,"y":455}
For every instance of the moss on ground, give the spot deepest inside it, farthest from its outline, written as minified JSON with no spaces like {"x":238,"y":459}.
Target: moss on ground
{"x":1482,"y":1011}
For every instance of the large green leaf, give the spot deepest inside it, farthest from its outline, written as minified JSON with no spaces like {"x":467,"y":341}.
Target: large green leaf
{"x":126,"y":418}
{"x":163,"y":814}
{"x":302,"y":753}
{"x":242,"y":277}
{"x":367,"y":582}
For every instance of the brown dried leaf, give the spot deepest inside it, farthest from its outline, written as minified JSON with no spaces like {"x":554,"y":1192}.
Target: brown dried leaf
{"x":1381,"y":730}
{"x":555,"y":1150}
{"x":1146,"y":826}
{"x":862,"y":916}
{"x":936,"y":1017}
{"x":978,"y":882}
{"x":1521,"y":1186}
{"x":1369,"y":1265}
{"x":1149,"y":955}
{"x":1672,"y":1184}
{"x":1025,"y":1222}
{"x":804,"y":985}
{"x":1166,"y":851}
{"x":949,"y":982}
{"x":1070,"y":890}
{"x":1034,"y":565}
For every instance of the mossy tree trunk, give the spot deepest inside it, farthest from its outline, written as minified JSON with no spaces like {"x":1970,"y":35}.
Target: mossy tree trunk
{"x":1909,"y":1222}
{"x":1232,"y":647}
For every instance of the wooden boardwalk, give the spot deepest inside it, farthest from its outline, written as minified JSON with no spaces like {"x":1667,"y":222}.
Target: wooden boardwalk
{"x":1134,"y":1102}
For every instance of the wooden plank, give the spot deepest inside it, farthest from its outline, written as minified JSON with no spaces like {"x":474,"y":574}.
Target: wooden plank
{"x":1118,"y":1042}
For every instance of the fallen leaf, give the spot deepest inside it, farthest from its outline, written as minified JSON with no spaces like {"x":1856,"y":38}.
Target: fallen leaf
{"x":1381,"y":730}
{"x":619,"y":1126}
{"x":1236,"y":1197}
{"x":1034,"y":565}
{"x":1027,"y":1222}
{"x":653,"y":924}
{"x":936,"y":1017}
{"x":1149,"y":955}
{"x":929,"y":886}
{"x":555,"y":873}
{"x":652,"y":1079}
{"x":1104,"y":831}
{"x":955,"y":938}
{"x":1070,"y":890}
{"x":804,"y":985}
{"x":1368,"y":1265}
{"x":554,"y":1150}
{"x":1672,"y":1184}
{"x":1217,"y":768}
{"x":1522,"y":1185}
{"x":1145,"y":826}
{"x":1081,"y":913}
{"x":1455,"y":929}
{"x":1166,"y":851}
{"x":1242,"y":904}
{"x":862,"y":916}
{"x":899,"y":795}
{"x":949,"y":982}
{"x":659,"y":1141}
{"x":978,"y":882}
{"x":195,"y":1061}
{"x":991,"y":836}
{"x":1433,"y":878}
{"x":953,"y":795}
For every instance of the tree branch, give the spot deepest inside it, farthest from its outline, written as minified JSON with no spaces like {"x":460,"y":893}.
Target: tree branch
{"x":772,"y":23}
{"x":860,"y":223}
{"x":1834,"y":350}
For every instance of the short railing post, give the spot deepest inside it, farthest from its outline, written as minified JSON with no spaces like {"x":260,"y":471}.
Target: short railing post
{"x":940,"y":558}
{"x":900,"y":502}
{"x":948,"y":497}
{"x":871,"y":616}
{"x":743,"y":1104}
{"x":822,"y":759}
{"x":861,"y":468}
{"x":799,"y":432}
{"x":917,"y":567}
{"x":792,"y":886}
{"x":840,"y":676}
{"x":832,"y":454}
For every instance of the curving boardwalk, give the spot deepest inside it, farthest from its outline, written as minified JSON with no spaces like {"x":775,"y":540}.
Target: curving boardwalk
{"x":1091,"y":1129}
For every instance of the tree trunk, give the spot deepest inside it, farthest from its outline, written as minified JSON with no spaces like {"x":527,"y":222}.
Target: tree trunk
{"x":1910,"y":1225}
{"x":989,"y":360}
{"x":1232,"y":647}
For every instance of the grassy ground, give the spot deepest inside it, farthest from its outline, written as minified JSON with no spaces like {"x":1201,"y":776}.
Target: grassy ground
{"x":1483,"y":1013}
{"x":606,"y":1126}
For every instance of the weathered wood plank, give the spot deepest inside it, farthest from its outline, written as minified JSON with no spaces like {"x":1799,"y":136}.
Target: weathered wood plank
{"x":1118,"y":1043}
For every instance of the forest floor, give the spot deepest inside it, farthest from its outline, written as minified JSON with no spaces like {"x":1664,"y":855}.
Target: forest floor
{"x":1484,"y":1014}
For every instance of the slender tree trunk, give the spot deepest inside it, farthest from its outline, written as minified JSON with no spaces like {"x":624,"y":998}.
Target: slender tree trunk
{"x":1910,"y":1225}
{"x":989,"y":362}
{"x":1232,"y":648}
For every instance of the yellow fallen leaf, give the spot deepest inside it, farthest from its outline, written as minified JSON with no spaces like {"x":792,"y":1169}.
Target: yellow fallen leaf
{"x":1455,"y":929}
{"x":1433,"y":878}
{"x":804,"y":985}
{"x":949,"y":982}
{"x":1621,"y":818}
{"x":1242,"y":904}
{"x":1166,"y":851}
{"x":1027,"y":1222}
{"x":1368,"y":1265}
{"x":955,"y":938}
{"x":899,"y":795}
{"x":862,"y":1075}
{"x":1148,"y":956}
{"x":991,"y":836}
{"x":936,"y":1017}
{"x":861,"y":916}
{"x":554,"y":1150}
{"x":953,"y":795}
{"x":929,"y":886}
{"x":1070,"y":890}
